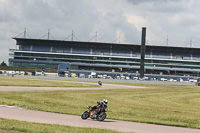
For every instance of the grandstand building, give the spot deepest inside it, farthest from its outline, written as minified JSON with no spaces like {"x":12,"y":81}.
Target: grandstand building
{"x":105,"y":57}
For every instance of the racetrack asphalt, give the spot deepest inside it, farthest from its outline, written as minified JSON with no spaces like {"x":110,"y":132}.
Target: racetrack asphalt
{"x":10,"y":112}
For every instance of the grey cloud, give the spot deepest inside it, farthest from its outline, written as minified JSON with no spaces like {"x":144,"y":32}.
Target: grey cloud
{"x":159,"y":6}
{"x":107,"y":17}
{"x":136,"y":2}
{"x":5,"y":17}
{"x":62,"y":18}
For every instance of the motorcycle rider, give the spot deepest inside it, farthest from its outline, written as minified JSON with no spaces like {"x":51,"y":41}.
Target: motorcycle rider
{"x":99,"y":82}
{"x":101,"y":105}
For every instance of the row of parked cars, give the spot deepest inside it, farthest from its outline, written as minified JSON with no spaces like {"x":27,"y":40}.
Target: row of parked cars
{"x":102,"y":76}
{"x":12,"y":73}
{"x":132,"y":77}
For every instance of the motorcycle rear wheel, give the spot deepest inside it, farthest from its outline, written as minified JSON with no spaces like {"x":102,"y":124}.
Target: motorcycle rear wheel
{"x":85,"y":115}
{"x":101,"y":116}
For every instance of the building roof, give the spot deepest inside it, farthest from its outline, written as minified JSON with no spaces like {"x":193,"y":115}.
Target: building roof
{"x":29,"y":41}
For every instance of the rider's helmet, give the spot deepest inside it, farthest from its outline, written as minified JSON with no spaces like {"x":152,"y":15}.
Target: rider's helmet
{"x":105,"y":101}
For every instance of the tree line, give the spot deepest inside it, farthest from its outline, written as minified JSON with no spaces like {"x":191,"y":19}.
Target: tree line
{"x":3,"y":64}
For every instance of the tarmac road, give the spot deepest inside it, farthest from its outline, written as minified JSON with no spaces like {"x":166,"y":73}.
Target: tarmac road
{"x":16,"y":113}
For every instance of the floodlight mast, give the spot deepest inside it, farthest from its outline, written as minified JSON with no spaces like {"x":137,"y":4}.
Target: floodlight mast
{"x":142,"y":52}
{"x":25,"y":32}
{"x":48,"y":34}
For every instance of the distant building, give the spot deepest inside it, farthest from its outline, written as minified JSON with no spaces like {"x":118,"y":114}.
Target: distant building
{"x":105,"y":57}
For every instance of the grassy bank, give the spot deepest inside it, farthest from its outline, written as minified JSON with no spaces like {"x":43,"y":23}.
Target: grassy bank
{"x":19,"y":126}
{"x":13,"y":81}
{"x":159,"y":104}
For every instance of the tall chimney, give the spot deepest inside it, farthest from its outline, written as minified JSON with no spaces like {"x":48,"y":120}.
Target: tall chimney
{"x":142,"y":52}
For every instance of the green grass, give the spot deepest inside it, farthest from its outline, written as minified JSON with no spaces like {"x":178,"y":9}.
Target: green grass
{"x":159,"y":104}
{"x":13,"y":81}
{"x":19,"y":126}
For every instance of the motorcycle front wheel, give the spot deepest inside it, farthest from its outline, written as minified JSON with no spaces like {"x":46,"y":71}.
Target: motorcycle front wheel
{"x":101,"y":116}
{"x":85,"y":115}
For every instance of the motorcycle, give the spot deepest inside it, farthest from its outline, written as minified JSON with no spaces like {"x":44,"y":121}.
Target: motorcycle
{"x":100,"y":83}
{"x":100,"y":116}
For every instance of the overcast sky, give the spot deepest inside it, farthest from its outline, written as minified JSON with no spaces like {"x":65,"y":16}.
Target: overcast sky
{"x":177,"y":20}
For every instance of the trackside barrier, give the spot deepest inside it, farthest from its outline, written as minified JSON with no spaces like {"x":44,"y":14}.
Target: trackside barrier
{"x":198,"y":84}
